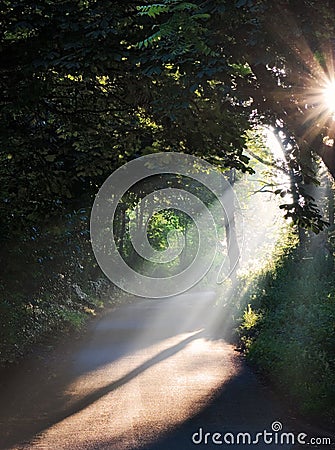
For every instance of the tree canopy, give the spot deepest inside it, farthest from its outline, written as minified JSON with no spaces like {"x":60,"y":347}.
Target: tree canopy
{"x":272,"y":61}
{"x":88,"y":85}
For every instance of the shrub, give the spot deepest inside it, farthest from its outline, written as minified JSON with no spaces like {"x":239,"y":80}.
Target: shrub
{"x":288,"y":327}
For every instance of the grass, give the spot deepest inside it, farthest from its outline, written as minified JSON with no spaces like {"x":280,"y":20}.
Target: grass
{"x":287,"y":327}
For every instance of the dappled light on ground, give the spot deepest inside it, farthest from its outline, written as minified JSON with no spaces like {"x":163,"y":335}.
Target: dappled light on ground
{"x":169,"y":369}
{"x":155,"y":400}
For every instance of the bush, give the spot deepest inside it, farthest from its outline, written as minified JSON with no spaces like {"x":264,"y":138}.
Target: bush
{"x":50,"y":283}
{"x":288,"y":327}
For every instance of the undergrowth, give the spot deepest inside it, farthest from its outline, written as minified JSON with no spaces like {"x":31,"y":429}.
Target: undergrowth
{"x":287,"y":325}
{"x":52,"y":313}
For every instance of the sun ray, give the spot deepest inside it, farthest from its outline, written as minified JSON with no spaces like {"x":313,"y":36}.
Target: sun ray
{"x":329,"y":96}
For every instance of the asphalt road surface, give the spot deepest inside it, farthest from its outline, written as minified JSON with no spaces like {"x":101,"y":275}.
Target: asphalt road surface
{"x":148,"y":375}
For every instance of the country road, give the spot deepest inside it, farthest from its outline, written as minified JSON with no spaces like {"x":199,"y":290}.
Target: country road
{"x":148,"y":375}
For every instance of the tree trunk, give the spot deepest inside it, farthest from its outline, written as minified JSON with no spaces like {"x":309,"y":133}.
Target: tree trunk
{"x":122,"y":230}
{"x":230,"y":227}
{"x":330,"y":199}
{"x":327,"y":154}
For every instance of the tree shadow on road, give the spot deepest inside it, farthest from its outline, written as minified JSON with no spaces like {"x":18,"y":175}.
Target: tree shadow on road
{"x":34,"y":401}
{"x":241,"y":405}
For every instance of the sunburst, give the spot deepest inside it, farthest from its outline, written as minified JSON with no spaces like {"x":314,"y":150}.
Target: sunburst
{"x":329,"y":97}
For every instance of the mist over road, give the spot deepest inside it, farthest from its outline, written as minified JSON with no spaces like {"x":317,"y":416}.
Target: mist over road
{"x":148,"y":375}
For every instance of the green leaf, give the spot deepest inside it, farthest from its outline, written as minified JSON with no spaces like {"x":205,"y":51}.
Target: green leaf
{"x":201,"y":16}
{"x":153,"y":10}
{"x":50,"y":158}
